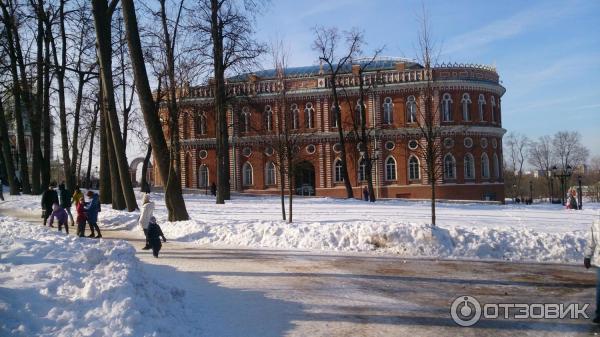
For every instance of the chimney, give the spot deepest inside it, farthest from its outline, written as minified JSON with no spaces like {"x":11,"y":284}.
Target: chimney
{"x":400,"y":66}
{"x":355,"y":69}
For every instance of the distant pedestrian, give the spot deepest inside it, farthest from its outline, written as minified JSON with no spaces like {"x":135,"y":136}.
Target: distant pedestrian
{"x":92,"y":209}
{"x":49,"y":198}
{"x":154,"y":235}
{"x":65,"y":200}
{"x":81,"y":217}
{"x":145,"y":215}
{"x":61,"y":217}
{"x":592,"y":258}
{"x":571,"y":200}
{"x":365,"y":192}
{"x":213,"y":189}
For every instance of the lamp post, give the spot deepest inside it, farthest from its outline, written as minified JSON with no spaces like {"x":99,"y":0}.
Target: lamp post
{"x":579,"y":193}
{"x":364,"y":154}
{"x":563,"y":175}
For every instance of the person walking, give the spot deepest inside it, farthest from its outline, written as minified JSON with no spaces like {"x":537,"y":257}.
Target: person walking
{"x":92,"y":209}
{"x":77,"y":196}
{"x":81,"y":217}
{"x":213,"y":189}
{"x":61,"y":216}
{"x":65,"y":200}
{"x":154,"y":235}
{"x":145,"y":214}
{"x":592,"y":258}
{"x":49,"y":198}
{"x":365,"y":193}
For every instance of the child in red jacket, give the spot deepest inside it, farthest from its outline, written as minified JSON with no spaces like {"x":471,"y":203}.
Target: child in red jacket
{"x":81,"y":218}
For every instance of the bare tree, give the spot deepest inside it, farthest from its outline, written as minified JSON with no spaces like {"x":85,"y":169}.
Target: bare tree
{"x":326,"y":44}
{"x":225,"y":34}
{"x":7,"y":157}
{"x":516,"y":147}
{"x":568,"y":150}
{"x":542,"y":158}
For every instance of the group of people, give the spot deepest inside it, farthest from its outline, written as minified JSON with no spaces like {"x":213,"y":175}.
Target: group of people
{"x":58,"y":205}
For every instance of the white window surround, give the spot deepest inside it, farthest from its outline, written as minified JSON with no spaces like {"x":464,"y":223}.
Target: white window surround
{"x":388,"y":109}
{"x":449,"y":166}
{"x":411,"y":109}
{"x":390,"y":169}
{"x":466,"y":105}
{"x":446,"y":107}
{"x":469,"y":166}
{"x":247,"y":174}
{"x":414,"y":168}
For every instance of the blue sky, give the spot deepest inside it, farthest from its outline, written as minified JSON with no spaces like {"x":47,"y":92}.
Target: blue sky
{"x":547,"y":52}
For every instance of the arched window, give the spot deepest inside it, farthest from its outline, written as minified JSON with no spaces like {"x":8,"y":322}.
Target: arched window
{"x":447,"y":107}
{"x":390,"y":168}
{"x":388,"y":109}
{"x":414,"y":170}
{"x":481,"y":107}
{"x":493,"y":106}
{"x":362,"y":170}
{"x":411,"y":109}
{"x":496,"y":166}
{"x":309,"y":116}
{"x":358,"y":112}
{"x":469,"y":166}
{"x":201,"y":124}
{"x":203,"y":176}
{"x":268,"y":115}
{"x":337,"y":174}
{"x":270,"y":173}
{"x":485,"y":166}
{"x":246,"y":119}
{"x":449,"y":167}
{"x":295,"y":117}
{"x":466,"y":107}
{"x":247,"y":174}
{"x":334,"y":115}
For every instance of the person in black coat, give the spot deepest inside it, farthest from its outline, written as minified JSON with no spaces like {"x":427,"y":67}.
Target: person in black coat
{"x":213,"y":189}
{"x":65,"y":200}
{"x":154,"y":235}
{"x":49,"y":198}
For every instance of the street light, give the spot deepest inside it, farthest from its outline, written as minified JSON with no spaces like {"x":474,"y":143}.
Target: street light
{"x":563,"y":175}
{"x":364,"y":154}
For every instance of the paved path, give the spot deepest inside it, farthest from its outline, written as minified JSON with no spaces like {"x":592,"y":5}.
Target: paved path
{"x":267,"y":292}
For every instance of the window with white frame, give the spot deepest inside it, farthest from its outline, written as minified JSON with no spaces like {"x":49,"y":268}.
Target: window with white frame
{"x":295,"y":116}
{"x":362,"y":170}
{"x":411,"y":109}
{"x":334,"y":115}
{"x":447,"y":107}
{"x":247,"y":174}
{"x":390,"y":168}
{"x":246,"y":119}
{"x":270,"y":173}
{"x":481,"y":107}
{"x":203,"y":176}
{"x":485,"y":166}
{"x":469,"y":166}
{"x":493,"y":106}
{"x":337,"y":168}
{"x":358,"y":112}
{"x":496,"y":166}
{"x":268,"y":115}
{"x":309,"y":116}
{"x":201,"y":128}
{"x":388,"y":109}
{"x":414,"y":170}
{"x":466,"y":107}
{"x":449,"y":167}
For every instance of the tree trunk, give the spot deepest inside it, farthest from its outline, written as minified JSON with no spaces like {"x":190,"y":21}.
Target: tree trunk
{"x":173,"y":195}
{"x":76,"y":120}
{"x":342,"y":141}
{"x":22,"y":150}
{"x":118,"y":201}
{"x":282,"y":187}
{"x":290,"y":191}
{"x":105,"y":185}
{"x":46,"y":118}
{"x":91,"y":149}
{"x":144,"y":181}
{"x":433,"y":202}
{"x":103,"y":33}
{"x":7,"y":154}
{"x":37,"y":112}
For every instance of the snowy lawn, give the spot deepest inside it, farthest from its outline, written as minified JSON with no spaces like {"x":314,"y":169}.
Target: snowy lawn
{"x":541,"y":232}
{"x":52,"y":284}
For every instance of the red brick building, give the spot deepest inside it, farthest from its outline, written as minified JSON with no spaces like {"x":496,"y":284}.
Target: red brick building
{"x":470,"y":118}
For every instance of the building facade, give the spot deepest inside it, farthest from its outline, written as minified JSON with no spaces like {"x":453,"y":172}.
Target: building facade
{"x":468,"y":99}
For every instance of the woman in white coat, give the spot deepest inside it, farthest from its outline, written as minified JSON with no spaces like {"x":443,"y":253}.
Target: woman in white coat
{"x":145,"y":214}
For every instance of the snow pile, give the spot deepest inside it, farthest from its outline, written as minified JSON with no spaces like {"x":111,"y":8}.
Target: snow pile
{"x":58,"y":285}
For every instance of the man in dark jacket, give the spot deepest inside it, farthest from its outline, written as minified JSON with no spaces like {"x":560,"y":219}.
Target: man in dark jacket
{"x":154,"y":235}
{"x":49,"y":198}
{"x":65,"y":200}
{"x":92,"y":209}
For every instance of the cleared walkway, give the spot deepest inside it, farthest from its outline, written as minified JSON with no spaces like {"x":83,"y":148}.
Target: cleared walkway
{"x":266,"y":292}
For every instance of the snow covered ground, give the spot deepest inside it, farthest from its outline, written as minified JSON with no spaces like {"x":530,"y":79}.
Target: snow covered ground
{"x":58,"y":285}
{"x":541,"y":232}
